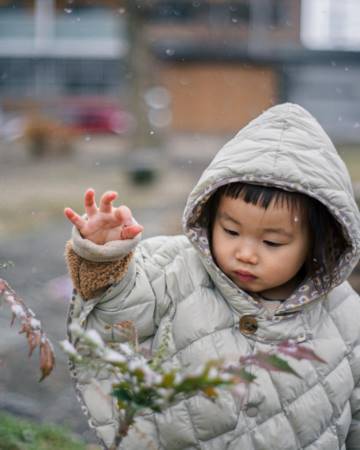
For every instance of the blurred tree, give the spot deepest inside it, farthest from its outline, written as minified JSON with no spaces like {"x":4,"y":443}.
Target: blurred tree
{"x":146,"y":140}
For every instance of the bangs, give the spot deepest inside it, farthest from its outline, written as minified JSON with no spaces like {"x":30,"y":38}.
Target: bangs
{"x":264,"y":196}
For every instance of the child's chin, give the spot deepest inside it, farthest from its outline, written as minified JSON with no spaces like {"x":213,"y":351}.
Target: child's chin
{"x":249,"y":287}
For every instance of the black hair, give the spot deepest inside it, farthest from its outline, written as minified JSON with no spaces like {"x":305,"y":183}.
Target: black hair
{"x":327,"y":241}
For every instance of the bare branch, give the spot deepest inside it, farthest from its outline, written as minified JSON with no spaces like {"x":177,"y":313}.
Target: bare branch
{"x":30,"y":326}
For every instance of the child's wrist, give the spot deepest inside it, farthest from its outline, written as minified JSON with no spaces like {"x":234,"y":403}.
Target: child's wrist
{"x":109,"y":251}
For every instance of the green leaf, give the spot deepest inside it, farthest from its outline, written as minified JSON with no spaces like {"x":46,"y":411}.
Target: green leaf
{"x":240,"y":372}
{"x":273,"y":362}
{"x":246,"y":376}
{"x":122,"y":393}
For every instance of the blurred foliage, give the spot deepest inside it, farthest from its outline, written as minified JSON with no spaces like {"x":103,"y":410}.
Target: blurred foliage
{"x":144,"y":382}
{"x":45,"y":135}
{"x":16,"y":434}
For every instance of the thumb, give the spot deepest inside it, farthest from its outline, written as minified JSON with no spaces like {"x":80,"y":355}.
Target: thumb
{"x":129,"y":232}
{"x":124,"y":216}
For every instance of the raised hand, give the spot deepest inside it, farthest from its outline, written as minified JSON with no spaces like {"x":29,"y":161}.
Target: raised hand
{"x":106,"y":223}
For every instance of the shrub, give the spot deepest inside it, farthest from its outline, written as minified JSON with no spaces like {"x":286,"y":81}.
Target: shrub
{"x":22,"y":434}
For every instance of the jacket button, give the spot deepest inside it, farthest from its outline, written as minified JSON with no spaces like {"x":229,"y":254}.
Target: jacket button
{"x":248,"y":324}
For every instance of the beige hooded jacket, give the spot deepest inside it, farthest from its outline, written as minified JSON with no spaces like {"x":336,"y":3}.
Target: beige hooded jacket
{"x":173,"y":281}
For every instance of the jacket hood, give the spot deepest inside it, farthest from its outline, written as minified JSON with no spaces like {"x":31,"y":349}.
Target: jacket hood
{"x":284,"y":147}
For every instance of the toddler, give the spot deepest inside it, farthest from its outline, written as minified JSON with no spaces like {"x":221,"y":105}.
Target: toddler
{"x":271,"y":234}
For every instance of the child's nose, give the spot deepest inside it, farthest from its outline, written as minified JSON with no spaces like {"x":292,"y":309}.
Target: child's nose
{"x":246,"y":253}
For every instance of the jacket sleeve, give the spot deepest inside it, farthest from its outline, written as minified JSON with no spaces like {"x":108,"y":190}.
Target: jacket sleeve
{"x":117,"y":282}
{"x":353,"y":309}
{"x":353,"y":438}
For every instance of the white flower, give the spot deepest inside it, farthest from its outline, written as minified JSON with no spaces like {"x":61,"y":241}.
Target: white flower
{"x":126,"y":349}
{"x":112,"y":356}
{"x":198,"y":371}
{"x":68,"y":348}
{"x":35,"y":324}
{"x":178,"y":378}
{"x":31,"y":312}
{"x":18,"y":310}
{"x":93,"y":337}
{"x":213,"y":373}
{"x":75,"y":328}
{"x":225,"y":377}
{"x":137,"y":363}
{"x":151,"y":377}
{"x":163,"y":392}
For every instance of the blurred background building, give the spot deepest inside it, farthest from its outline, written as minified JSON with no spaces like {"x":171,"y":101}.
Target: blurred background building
{"x":50,"y":47}
{"x":231,"y":59}
{"x":221,"y":62}
{"x":61,"y":65}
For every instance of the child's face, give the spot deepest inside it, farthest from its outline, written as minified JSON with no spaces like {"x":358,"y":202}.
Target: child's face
{"x":260,"y":250}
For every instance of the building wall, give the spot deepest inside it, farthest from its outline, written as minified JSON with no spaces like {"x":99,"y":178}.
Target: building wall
{"x":331,"y":93}
{"x":61,"y":4}
{"x":250,"y":23}
{"x":218,"y":98}
{"x":60,"y":52}
{"x":217,"y":95}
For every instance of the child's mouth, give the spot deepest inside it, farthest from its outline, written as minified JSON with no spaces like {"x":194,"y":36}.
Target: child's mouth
{"x":243,"y":275}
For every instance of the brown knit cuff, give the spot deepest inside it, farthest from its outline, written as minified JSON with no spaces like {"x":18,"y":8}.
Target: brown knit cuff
{"x":92,"y":278}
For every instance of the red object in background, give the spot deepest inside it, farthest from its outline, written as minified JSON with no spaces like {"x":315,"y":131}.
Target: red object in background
{"x":95,"y":116}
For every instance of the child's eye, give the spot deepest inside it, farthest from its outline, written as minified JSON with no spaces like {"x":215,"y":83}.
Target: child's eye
{"x":231,"y":232}
{"x":273,"y":244}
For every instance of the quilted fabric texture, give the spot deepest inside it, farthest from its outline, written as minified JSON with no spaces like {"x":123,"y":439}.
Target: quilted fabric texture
{"x":173,"y":281}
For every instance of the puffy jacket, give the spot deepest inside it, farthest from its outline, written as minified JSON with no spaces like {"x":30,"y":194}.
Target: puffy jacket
{"x":174,"y":282}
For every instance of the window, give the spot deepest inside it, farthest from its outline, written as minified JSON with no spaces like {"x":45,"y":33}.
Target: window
{"x":178,"y":10}
{"x":330,"y":24}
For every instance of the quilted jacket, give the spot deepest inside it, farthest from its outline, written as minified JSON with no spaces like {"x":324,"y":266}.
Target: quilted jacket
{"x":174,"y":282}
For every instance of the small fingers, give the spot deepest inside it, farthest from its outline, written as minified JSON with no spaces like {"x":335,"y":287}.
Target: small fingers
{"x":74,"y":218}
{"x":106,"y":200}
{"x":124,"y":216}
{"x":90,"y":204}
{"x":131,"y":231}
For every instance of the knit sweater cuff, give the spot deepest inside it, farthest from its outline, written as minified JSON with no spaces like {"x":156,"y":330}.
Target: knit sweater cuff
{"x":92,"y":278}
{"x":111,"y":251}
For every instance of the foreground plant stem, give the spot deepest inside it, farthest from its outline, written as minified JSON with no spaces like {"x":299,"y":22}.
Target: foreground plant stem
{"x":30,"y":326}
